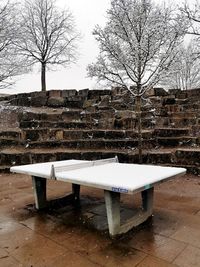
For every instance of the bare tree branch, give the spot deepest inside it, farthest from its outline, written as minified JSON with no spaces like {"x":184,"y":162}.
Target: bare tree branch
{"x":185,"y":71}
{"x":11,"y":64}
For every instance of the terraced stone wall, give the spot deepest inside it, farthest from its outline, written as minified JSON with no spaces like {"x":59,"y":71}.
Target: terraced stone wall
{"x":93,"y":124}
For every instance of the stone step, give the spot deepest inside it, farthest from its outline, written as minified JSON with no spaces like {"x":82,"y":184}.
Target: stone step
{"x":178,"y":141}
{"x":173,"y":108}
{"x":188,"y":156}
{"x":183,"y":122}
{"x":127,"y":123}
{"x":182,"y":115}
{"x":5,"y":168}
{"x":15,"y":157}
{"x":40,"y":134}
{"x":160,"y":157}
{"x":95,"y":144}
{"x":7,"y":142}
{"x":171,"y":132}
{"x":191,"y":107}
{"x":11,"y":157}
{"x":55,"y":124}
{"x":105,"y":134}
{"x":11,"y":134}
{"x":66,"y":115}
{"x":38,"y":115}
{"x":169,"y":158}
{"x":169,"y":122}
{"x":195,"y":130}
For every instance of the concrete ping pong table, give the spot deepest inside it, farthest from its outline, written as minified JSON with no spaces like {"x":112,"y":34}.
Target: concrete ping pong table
{"x":108,"y":174}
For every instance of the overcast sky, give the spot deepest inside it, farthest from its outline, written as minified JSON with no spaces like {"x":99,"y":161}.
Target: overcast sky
{"x":87,"y":14}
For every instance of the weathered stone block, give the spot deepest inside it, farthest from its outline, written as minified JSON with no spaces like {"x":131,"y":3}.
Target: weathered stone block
{"x":74,"y":102}
{"x":89,"y":103}
{"x":117,"y":91}
{"x":50,"y":116}
{"x":105,"y":124}
{"x":32,"y":135}
{"x":59,"y":135}
{"x":175,"y":92}
{"x":150,"y":92}
{"x":160,"y":92}
{"x":56,"y":101}
{"x":173,"y":108}
{"x":55,"y":93}
{"x":28,"y":116}
{"x":24,"y":101}
{"x":38,"y":94}
{"x":68,"y":93}
{"x":71,"y":115}
{"x":185,"y":156}
{"x":159,"y":157}
{"x":14,"y":102}
{"x":38,"y":101}
{"x":22,"y":95}
{"x":104,"y":102}
{"x":125,"y":123}
{"x":83,"y":92}
{"x":169,"y":101}
{"x":169,"y":132}
{"x":181,"y":94}
{"x":98,"y":93}
{"x":125,"y":114}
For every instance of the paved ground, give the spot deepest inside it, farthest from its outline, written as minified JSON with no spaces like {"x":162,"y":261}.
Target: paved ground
{"x":69,"y":237}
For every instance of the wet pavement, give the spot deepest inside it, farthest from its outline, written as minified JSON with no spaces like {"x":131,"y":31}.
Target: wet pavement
{"x":77,"y":236}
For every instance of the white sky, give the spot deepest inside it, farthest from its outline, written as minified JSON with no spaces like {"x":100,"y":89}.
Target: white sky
{"x":87,"y":14}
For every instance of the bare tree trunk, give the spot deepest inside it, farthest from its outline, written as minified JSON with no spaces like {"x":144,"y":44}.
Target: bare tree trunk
{"x":139,"y":127}
{"x":43,"y":77}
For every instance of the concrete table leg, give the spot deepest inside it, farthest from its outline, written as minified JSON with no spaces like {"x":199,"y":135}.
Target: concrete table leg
{"x":76,"y":192}
{"x":112,"y":200}
{"x":39,"y":187}
{"x":147,"y":200}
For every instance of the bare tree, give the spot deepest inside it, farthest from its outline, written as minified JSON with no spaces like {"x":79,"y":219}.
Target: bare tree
{"x":10,"y":64}
{"x":185,"y":71}
{"x":191,"y":14}
{"x":47,"y":35}
{"x":137,"y":47}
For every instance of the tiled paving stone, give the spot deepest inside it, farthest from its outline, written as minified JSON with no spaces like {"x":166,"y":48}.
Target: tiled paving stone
{"x":3,"y":253}
{"x":10,"y":262}
{"x":71,"y":259}
{"x":190,"y":257}
{"x":157,"y":245}
{"x":155,"y":262}
{"x":54,"y":229}
{"x":111,"y":256}
{"x":165,"y":222}
{"x":13,"y":240}
{"x":38,"y":251}
{"x":85,"y":242}
{"x":9,"y":226}
{"x":188,"y":235}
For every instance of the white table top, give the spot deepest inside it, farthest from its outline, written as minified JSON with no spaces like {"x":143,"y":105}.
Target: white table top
{"x":118,"y":177}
